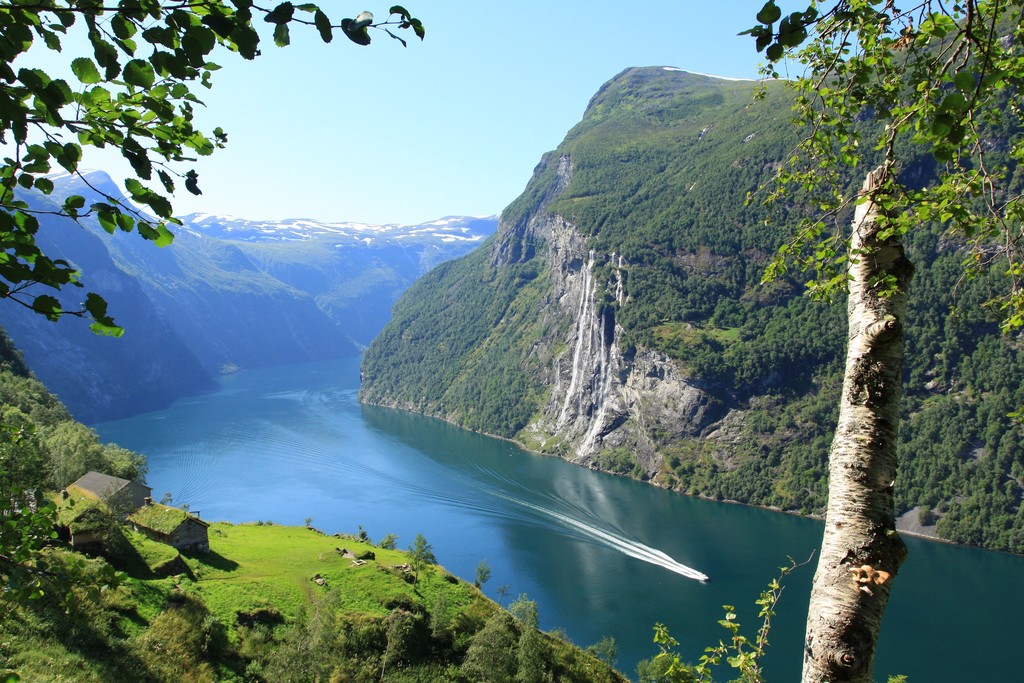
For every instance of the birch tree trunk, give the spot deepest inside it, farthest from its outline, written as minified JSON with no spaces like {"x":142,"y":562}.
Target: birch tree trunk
{"x":861,"y":551}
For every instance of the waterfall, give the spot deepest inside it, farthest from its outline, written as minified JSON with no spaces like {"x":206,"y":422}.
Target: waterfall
{"x":590,"y":391}
{"x":620,"y":290}
{"x":584,"y":338}
{"x":603,"y":388}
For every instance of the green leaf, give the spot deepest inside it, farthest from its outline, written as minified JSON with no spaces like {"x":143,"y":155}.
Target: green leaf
{"x":220,"y":24}
{"x":192,"y":183}
{"x":123,"y":27}
{"x":281,"y":37}
{"x":198,"y":42}
{"x":85,"y":70}
{"x":246,"y":40}
{"x":107,"y":221}
{"x":166,"y":179}
{"x":139,"y":73}
{"x":356,"y":32}
{"x":281,"y":14}
{"x":941,"y":125}
{"x":964,"y":81}
{"x":770,"y":13}
{"x":47,"y":306}
{"x":164,"y":236}
{"x":323,"y":25}
{"x":44,"y":185}
{"x":103,"y":324}
{"x":74,"y":202}
{"x":774,"y":52}
{"x":106,"y":57}
{"x":417,"y":27}
{"x":134,"y":187}
{"x":954,"y":102}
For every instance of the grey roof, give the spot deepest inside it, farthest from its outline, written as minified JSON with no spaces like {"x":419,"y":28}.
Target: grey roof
{"x":101,"y":485}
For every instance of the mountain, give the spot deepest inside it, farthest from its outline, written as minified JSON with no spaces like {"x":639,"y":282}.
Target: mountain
{"x":617,"y":319}
{"x":227,"y":294}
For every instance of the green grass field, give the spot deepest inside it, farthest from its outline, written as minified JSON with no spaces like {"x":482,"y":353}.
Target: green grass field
{"x":268,"y":603}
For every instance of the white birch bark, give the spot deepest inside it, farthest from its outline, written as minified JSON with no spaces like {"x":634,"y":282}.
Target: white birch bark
{"x":861,"y":551}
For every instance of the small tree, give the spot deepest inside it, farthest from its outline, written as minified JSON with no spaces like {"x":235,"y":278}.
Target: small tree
{"x":483,"y":574}
{"x":421,"y":555}
{"x":389,"y":542}
{"x":492,"y":654}
{"x":606,"y":650}
{"x":530,"y":651}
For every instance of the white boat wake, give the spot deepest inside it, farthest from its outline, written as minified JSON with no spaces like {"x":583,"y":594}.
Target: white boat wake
{"x":623,"y":545}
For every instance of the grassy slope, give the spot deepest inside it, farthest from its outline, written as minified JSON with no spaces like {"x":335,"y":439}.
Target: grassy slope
{"x":250,"y":567}
{"x":187,"y":626}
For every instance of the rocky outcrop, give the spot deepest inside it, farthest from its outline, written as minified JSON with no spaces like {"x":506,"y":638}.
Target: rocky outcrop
{"x":602,"y":396}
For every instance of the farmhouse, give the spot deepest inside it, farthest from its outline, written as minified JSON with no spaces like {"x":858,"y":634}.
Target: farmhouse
{"x":120,"y":495}
{"x":172,"y":526}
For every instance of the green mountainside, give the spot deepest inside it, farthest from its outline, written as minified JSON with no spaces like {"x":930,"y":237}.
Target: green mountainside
{"x":617,"y":320}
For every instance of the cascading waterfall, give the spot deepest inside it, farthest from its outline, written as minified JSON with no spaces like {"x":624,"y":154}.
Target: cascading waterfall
{"x":603,"y":388}
{"x":620,"y":290}
{"x":590,"y":392}
{"x":584,"y":338}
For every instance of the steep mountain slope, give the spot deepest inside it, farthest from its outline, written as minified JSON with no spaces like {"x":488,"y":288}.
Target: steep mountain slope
{"x":226,"y":294}
{"x":617,"y":320}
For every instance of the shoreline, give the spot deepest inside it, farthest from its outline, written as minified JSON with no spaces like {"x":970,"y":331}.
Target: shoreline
{"x":904,"y":529}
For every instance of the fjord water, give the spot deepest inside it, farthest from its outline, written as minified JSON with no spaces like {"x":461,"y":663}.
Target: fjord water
{"x":601,"y":555}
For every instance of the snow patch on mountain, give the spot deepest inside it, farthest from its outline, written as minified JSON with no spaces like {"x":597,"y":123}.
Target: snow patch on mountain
{"x":448,"y":229}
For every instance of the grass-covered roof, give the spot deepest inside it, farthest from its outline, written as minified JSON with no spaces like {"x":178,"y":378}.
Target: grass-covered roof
{"x":161,"y":518}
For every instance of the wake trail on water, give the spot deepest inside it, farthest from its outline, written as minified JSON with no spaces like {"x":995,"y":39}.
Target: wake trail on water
{"x":616,"y":542}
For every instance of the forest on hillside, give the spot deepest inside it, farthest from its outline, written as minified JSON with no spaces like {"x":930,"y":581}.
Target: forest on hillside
{"x":662,"y":167}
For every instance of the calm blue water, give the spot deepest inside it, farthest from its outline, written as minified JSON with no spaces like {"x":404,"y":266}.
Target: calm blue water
{"x":601,"y":555}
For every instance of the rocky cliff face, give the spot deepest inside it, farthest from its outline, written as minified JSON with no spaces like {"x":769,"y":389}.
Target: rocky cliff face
{"x":600,"y":396}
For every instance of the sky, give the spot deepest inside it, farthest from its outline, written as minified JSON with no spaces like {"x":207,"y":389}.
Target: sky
{"x":452,"y":125}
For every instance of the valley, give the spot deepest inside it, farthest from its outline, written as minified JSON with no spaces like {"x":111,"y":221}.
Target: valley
{"x":702,"y":344}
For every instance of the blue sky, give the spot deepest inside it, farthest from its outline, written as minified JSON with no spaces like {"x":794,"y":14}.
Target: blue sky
{"x":451,"y":125}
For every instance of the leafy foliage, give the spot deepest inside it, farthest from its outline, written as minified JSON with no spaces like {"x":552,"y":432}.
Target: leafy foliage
{"x":740,"y":652}
{"x":41,"y":449}
{"x":928,"y":77}
{"x":134,"y":92}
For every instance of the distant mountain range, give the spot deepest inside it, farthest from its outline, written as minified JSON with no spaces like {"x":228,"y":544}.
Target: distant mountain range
{"x":228,"y":294}
{"x":451,"y":229}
